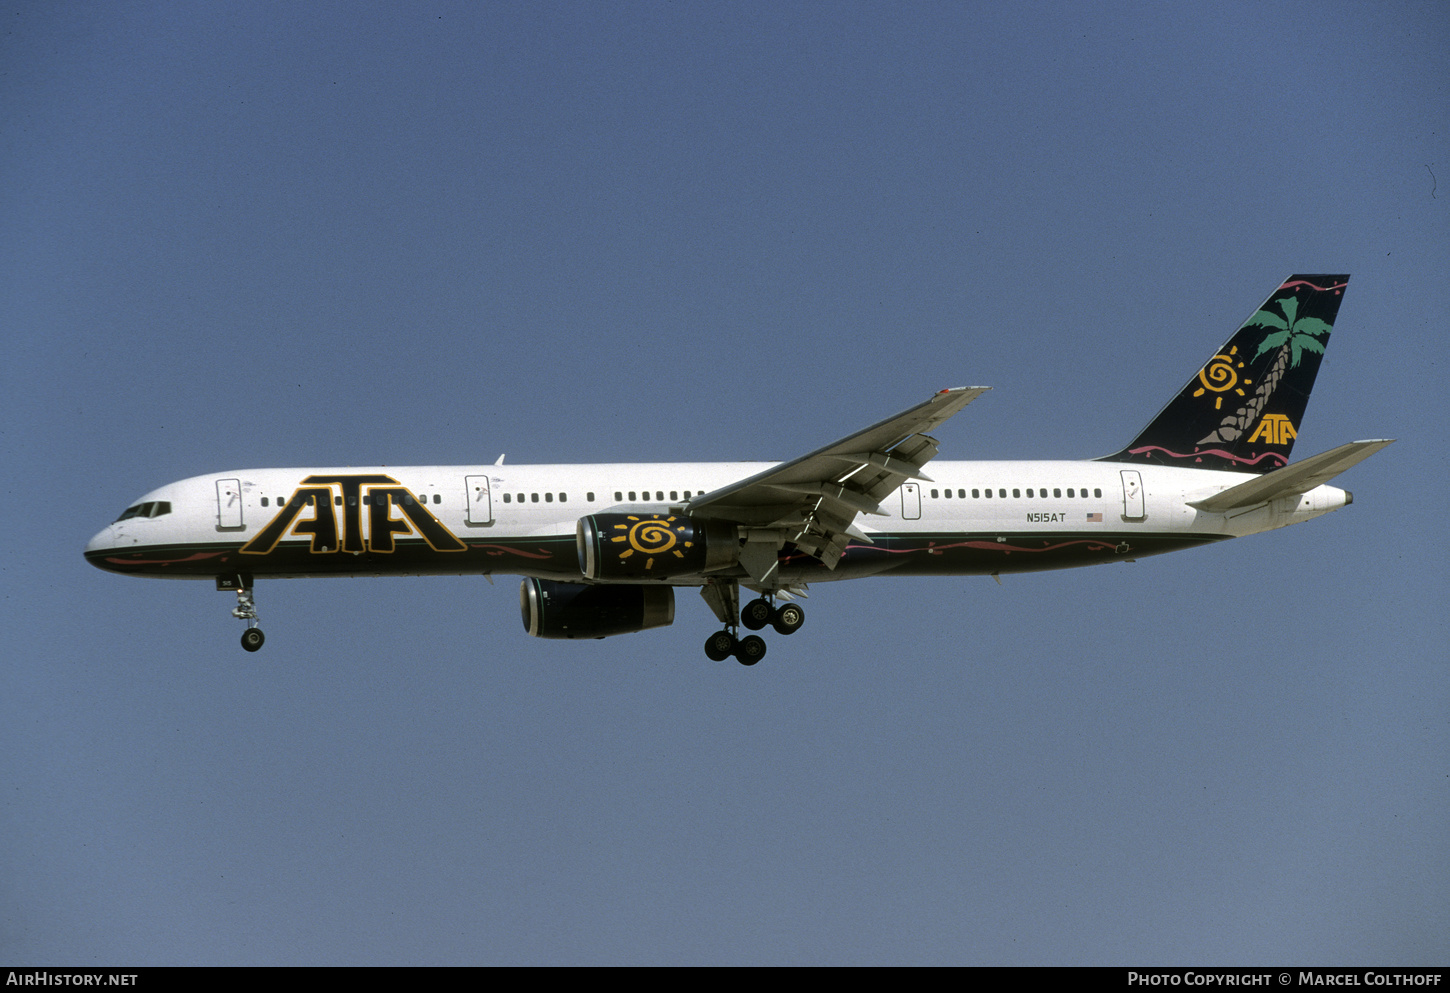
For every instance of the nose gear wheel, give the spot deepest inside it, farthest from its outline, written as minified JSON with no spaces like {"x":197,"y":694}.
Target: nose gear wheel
{"x":246,"y":610}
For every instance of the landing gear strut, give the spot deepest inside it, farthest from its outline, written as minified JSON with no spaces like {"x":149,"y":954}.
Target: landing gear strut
{"x":246,"y":610}
{"x":723,"y":599}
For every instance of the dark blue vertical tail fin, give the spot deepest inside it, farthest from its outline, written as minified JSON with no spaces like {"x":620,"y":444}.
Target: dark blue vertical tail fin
{"x":1242,"y":410}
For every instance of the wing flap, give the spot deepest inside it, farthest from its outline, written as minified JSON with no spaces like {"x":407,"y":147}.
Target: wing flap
{"x":813,"y":501}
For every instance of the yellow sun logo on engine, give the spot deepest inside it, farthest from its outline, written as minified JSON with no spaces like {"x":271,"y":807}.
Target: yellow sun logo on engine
{"x":651,"y":536}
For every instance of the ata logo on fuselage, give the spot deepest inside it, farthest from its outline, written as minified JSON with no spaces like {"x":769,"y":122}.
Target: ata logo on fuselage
{"x":1274,"y":429}
{"x":381,"y":495}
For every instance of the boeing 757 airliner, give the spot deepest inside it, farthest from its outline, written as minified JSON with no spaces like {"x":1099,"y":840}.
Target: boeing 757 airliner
{"x":603,"y":547}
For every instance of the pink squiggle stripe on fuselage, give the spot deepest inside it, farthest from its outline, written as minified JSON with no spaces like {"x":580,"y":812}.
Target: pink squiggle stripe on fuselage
{"x":1305,"y":282}
{"x":1092,"y":543}
{"x":988,"y":546}
{"x":1209,"y":451}
{"x":501,"y":549}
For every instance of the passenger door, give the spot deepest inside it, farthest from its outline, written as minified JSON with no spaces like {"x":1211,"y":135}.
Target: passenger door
{"x":480,"y":504}
{"x":1133,"y":506}
{"x":229,"y":505}
{"x":911,"y":501}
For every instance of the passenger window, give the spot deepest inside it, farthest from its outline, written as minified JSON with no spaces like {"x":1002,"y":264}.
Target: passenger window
{"x":933,"y":494}
{"x":659,"y":494}
{"x":674,"y":494}
{"x":1069,"y":492}
{"x":589,"y":496}
{"x":533,"y":498}
{"x":988,"y":494}
{"x":1016,"y":494}
{"x":563,"y":498}
{"x":947,"y":494}
{"x":1057,"y":492}
{"x":506,"y":498}
{"x":631,"y":495}
{"x":548,"y":498}
{"x":1097,"y":493}
{"x":264,"y":501}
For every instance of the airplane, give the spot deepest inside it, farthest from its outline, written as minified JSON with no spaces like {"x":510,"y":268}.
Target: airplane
{"x":601,"y":548}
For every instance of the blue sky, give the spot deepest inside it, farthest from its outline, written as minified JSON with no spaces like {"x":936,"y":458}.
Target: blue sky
{"x":242,"y":235}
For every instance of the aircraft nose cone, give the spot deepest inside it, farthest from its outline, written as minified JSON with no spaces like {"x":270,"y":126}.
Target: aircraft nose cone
{"x":102,"y":543}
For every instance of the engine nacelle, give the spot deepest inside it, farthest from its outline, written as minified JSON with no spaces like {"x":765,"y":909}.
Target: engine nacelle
{"x":653,"y":546}
{"x":579,"y":610}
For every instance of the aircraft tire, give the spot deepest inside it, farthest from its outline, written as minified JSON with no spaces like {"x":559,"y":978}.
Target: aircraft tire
{"x":756,"y":614}
{"x":719,"y":646}
{"x":750,"y":650}
{"x":788,"y":618}
{"x":252,"y":639}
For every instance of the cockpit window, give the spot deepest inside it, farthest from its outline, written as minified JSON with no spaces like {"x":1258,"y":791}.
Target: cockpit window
{"x":152,"y":508}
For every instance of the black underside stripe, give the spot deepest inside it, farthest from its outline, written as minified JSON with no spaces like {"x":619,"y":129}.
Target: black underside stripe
{"x":944,"y":553}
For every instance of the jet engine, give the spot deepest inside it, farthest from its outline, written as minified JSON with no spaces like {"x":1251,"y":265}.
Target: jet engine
{"x":653,"y":546}
{"x":579,"y":610}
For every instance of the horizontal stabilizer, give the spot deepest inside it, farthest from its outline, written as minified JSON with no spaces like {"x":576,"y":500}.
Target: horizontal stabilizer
{"x":1297,"y":477}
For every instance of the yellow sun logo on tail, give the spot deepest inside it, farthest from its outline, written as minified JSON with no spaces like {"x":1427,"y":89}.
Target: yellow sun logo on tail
{"x":1220,"y":376}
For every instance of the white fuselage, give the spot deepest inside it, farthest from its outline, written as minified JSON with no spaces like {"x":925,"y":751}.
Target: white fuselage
{"x":504,"y":510}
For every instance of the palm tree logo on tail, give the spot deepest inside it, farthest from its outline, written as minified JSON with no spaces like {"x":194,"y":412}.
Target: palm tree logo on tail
{"x":1292,"y":335}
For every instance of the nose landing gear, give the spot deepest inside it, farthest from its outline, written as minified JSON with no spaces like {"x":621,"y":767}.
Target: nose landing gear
{"x":245,"y":610}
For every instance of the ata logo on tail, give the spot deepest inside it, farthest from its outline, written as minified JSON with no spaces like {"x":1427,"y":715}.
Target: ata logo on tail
{"x":1274,"y":429}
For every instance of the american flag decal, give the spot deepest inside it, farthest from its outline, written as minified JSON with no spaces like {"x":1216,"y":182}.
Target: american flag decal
{"x":1098,"y":518}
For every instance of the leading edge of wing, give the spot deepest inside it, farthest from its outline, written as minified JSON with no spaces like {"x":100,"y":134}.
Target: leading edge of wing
{"x":871,"y":446}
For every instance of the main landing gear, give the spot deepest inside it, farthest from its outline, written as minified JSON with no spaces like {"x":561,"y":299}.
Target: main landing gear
{"x":723,"y":644}
{"x":755,"y":615}
{"x":786,"y":618}
{"x":246,"y":610}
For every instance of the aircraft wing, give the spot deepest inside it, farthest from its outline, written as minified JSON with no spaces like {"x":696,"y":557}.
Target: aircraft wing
{"x":1292,"y":479}
{"x":813,"y":501}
